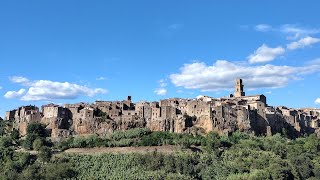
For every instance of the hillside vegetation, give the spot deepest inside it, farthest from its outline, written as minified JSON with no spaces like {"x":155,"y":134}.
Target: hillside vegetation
{"x":238,"y":156}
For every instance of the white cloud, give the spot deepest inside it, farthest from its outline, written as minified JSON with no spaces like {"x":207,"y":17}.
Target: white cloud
{"x":317,"y":101}
{"x":160,"y":91}
{"x":19,"y":79}
{"x":295,"y":31}
{"x":101,"y":78}
{"x":262,"y":27}
{"x":50,"y":90}
{"x":292,"y":31}
{"x":221,"y":75}
{"x":162,"y":83}
{"x":265,"y":54}
{"x":307,"y":41}
{"x":14,"y":94}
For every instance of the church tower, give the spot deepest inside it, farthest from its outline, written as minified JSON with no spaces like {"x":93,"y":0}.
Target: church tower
{"x":239,"y":88}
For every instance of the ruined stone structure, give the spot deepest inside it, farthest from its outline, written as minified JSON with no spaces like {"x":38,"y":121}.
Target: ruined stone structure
{"x":23,"y":116}
{"x":200,"y":115}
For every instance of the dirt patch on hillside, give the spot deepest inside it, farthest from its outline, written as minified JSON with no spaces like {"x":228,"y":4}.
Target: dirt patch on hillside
{"x":161,"y":149}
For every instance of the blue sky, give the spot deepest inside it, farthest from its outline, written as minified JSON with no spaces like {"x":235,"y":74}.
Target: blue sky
{"x":72,"y":51}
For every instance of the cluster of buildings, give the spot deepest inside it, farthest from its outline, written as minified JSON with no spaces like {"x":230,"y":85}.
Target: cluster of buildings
{"x":200,"y":115}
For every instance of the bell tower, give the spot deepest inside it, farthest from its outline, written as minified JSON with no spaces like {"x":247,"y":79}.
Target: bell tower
{"x":239,"y":89}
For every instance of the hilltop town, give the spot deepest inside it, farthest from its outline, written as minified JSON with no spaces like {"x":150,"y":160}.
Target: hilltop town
{"x":201,"y":115}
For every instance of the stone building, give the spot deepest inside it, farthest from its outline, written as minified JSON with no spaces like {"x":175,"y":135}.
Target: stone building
{"x":57,"y":118}
{"x":200,"y":115}
{"x":23,"y":116}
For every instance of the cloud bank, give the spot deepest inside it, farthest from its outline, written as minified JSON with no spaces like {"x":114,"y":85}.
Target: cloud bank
{"x":221,"y":75}
{"x":49,"y":90}
{"x":265,"y":54}
{"x":304,"y":42}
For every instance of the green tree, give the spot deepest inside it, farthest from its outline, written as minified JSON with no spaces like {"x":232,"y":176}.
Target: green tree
{"x":31,"y":172}
{"x":59,"y":171}
{"x":169,"y":163}
{"x":212,"y":141}
{"x":312,"y":144}
{"x":28,"y":142}
{"x":37,"y":129}
{"x":37,"y":144}
{"x":5,"y":141}
{"x":2,"y":127}
{"x":15,"y":134}
{"x":44,"y":154}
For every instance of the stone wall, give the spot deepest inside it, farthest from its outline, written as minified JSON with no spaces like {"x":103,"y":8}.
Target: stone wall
{"x":222,"y":115}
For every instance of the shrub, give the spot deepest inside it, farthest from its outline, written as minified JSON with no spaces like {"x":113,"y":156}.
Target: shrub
{"x":59,"y":171}
{"x":28,"y":142}
{"x":131,"y":133}
{"x":37,"y":144}
{"x":44,"y":154}
{"x":37,"y":129}
{"x":5,"y":141}
{"x":15,"y":134}
{"x":156,"y":139}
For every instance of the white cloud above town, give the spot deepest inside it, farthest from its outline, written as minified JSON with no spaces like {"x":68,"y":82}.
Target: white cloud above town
{"x":294,"y":31}
{"x":50,"y":90}
{"x":299,"y":37}
{"x":291,"y":31}
{"x":265,"y":54}
{"x":304,"y":42}
{"x":263,"y":27}
{"x":19,"y":79}
{"x":317,"y":101}
{"x":14,"y":94}
{"x":161,"y":90}
{"x":221,"y":75}
{"x":162,"y":83}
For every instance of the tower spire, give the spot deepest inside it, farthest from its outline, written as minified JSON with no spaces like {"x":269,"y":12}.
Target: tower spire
{"x":239,"y":88}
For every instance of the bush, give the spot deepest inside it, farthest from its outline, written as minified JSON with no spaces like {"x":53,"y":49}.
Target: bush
{"x":212,"y":142}
{"x":131,"y":133}
{"x":37,"y":144}
{"x":59,"y":171}
{"x":44,"y":154}
{"x":15,"y":134}
{"x":37,"y":129}
{"x":156,"y":139}
{"x":31,"y":172}
{"x":5,"y":141}
{"x":28,"y":142}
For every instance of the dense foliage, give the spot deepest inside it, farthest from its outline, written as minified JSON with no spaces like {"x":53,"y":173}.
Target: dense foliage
{"x":238,"y":156}
{"x":15,"y":163}
{"x":132,"y":137}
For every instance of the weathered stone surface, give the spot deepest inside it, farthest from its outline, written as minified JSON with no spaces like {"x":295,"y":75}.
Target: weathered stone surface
{"x":222,"y":115}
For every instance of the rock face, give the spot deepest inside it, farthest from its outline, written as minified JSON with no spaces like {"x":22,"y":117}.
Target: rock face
{"x":201,"y":115}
